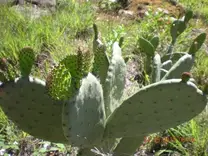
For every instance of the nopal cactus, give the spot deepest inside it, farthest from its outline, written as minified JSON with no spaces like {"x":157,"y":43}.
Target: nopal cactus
{"x":82,"y":104}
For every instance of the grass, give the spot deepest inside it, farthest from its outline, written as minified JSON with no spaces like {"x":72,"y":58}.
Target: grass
{"x":72,"y":22}
{"x":195,"y":5}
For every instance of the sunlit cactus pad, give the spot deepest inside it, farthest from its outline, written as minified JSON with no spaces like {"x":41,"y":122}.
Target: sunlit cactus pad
{"x":27,"y":104}
{"x":156,"y":107}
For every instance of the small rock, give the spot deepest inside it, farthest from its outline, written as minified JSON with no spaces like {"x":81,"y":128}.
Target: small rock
{"x":126,"y":13}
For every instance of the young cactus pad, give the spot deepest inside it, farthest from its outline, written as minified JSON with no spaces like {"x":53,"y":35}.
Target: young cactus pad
{"x":26,"y":60}
{"x":156,"y":107}
{"x":26,"y":103}
{"x":84,"y":116}
{"x":115,"y":81}
{"x":101,"y":60}
{"x":184,"y":64}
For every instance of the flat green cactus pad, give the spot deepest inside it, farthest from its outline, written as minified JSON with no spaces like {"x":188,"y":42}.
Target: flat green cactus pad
{"x":156,"y":107}
{"x":26,"y":103}
{"x":115,"y":81}
{"x":84,"y":116}
{"x":184,"y":64}
{"x":26,"y":60}
{"x":128,"y":146}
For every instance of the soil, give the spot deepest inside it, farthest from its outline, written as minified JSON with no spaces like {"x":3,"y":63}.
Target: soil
{"x":137,"y":9}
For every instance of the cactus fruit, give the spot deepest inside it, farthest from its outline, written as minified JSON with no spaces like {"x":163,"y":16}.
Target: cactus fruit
{"x":185,"y":76}
{"x":115,"y":81}
{"x":26,"y":60}
{"x":84,"y":116}
{"x":140,"y":114}
{"x":27,"y":104}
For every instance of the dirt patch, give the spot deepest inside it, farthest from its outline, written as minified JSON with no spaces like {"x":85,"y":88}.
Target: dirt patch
{"x":138,"y":8}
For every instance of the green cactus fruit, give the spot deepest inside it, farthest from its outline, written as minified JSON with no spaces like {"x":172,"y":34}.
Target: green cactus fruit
{"x":185,"y":76}
{"x":171,"y":104}
{"x":146,"y":47}
{"x":128,"y":146}
{"x":177,"y":28}
{"x":174,"y":56}
{"x":58,"y":83}
{"x":188,"y":16}
{"x":155,"y":42}
{"x":197,"y":43}
{"x":156,"y":68}
{"x":26,"y":103}
{"x":184,"y":64}
{"x":101,"y":60}
{"x":115,"y":81}
{"x":26,"y":60}
{"x":83,"y":118}
{"x":167,"y":64}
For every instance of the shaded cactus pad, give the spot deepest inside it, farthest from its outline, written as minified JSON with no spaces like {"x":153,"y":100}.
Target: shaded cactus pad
{"x":26,"y":60}
{"x":155,"y":108}
{"x":40,"y":117}
{"x":84,"y":116}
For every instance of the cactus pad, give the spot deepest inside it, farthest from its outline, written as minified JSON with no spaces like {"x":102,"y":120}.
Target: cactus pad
{"x":58,"y":83}
{"x":84,"y":115}
{"x":26,"y":60}
{"x":128,"y":146}
{"x":146,"y":47}
{"x":197,"y":43}
{"x":177,"y":28}
{"x":156,"y":107}
{"x":115,"y":81}
{"x":85,"y":61}
{"x":156,"y":68}
{"x":101,"y":60}
{"x":184,"y":64}
{"x":26,"y":103}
